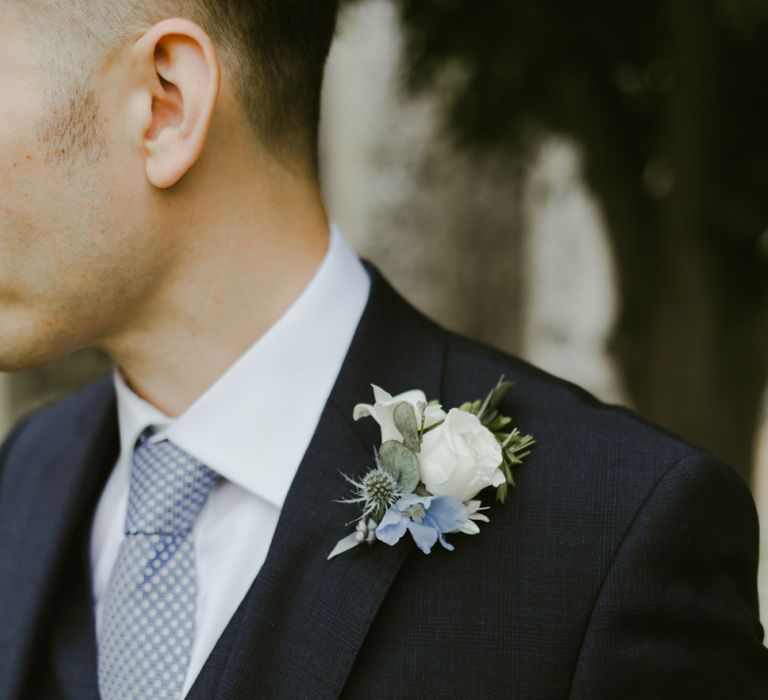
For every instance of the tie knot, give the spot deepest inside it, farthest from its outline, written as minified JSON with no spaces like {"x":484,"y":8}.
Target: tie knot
{"x":168,"y":488}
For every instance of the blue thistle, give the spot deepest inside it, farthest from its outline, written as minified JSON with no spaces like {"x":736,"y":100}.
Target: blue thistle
{"x":378,"y":490}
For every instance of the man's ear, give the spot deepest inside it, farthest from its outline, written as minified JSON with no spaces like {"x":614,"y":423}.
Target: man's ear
{"x":181,"y":79}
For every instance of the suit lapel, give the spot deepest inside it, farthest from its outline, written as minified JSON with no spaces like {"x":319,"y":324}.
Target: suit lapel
{"x":53,"y":490}
{"x":300,"y":627}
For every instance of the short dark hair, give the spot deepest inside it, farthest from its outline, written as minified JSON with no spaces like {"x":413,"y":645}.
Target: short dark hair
{"x":272,"y":51}
{"x":283,"y":46}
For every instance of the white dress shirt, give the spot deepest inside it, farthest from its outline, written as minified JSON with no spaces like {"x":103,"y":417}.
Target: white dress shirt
{"x":252,"y":426}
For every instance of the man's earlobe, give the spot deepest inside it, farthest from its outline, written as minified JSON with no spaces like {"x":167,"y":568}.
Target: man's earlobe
{"x":187,"y":80}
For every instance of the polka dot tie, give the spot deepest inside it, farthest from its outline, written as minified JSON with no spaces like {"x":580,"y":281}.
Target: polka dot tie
{"x":148,"y":615}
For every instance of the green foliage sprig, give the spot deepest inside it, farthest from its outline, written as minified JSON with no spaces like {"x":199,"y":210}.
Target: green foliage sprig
{"x":514,"y":445}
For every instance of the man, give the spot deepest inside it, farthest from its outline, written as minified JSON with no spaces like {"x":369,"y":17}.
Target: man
{"x":159,"y":200}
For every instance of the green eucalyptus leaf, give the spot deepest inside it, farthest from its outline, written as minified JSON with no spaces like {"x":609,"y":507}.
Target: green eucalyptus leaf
{"x":405,"y":421}
{"x":401,"y":463}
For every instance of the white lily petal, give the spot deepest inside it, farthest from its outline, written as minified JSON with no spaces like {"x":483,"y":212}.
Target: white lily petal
{"x":379,"y":395}
{"x":362,"y":410}
{"x":413,"y":397}
{"x":345,"y":544}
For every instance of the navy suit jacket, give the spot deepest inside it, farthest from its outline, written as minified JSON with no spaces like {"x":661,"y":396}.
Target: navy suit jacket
{"x":622,"y":565}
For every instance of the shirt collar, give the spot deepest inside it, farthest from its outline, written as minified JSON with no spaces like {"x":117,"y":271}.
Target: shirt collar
{"x":255,"y":422}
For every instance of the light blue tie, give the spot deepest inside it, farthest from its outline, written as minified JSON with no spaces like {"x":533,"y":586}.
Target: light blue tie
{"x":148,"y":615}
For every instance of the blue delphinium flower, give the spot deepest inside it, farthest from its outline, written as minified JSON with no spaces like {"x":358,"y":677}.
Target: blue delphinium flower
{"x":427,"y":518}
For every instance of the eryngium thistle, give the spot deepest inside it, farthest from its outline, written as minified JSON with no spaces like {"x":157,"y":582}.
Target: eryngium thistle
{"x":378,"y":490}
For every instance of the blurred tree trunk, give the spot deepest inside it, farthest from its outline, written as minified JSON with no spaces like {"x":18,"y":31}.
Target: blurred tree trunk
{"x":443,"y":224}
{"x":693,"y":338}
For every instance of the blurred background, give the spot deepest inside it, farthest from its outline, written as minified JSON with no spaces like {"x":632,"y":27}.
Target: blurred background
{"x":584,"y":185}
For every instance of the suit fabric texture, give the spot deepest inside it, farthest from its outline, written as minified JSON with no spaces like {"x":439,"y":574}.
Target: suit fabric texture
{"x":623,"y":563}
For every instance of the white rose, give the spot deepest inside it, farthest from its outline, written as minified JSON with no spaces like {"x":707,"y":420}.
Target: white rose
{"x":384,"y":407}
{"x":460,"y":457}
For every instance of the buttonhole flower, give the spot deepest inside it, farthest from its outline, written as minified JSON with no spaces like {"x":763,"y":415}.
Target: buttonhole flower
{"x":430,"y":467}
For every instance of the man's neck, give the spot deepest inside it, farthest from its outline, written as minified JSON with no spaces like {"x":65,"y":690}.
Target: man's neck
{"x":234,"y":280}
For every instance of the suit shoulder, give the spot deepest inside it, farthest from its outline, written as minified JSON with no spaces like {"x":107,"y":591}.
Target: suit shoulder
{"x":595,"y":468}
{"x":63,"y":415}
{"x":565,"y":418}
